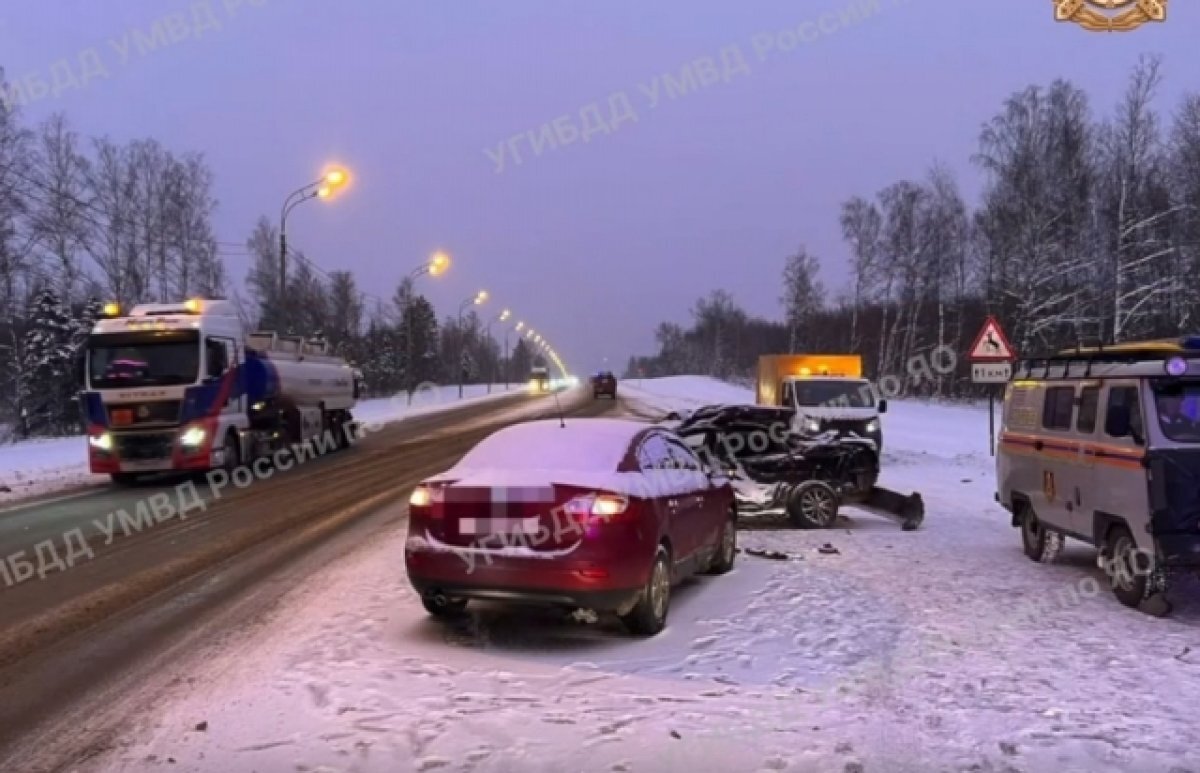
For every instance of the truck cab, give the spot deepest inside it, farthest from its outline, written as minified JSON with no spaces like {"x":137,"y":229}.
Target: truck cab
{"x":183,"y":387}
{"x":827,"y":392}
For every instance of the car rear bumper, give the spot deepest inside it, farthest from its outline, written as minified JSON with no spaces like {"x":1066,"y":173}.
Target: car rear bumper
{"x":590,"y":585}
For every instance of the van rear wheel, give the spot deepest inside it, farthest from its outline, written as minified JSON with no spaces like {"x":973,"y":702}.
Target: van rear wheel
{"x":1040,"y":543}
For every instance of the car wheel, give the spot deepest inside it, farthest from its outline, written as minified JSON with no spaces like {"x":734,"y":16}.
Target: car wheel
{"x":232,"y":458}
{"x":1127,"y":579}
{"x":1040,"y":543}
{"x":440,"y":606}
{"x":649,"y":615}
{"x":813,"y":505}
{"x":727,"y":548}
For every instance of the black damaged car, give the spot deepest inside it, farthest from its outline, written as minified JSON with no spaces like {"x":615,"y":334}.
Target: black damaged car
{"x":774,"y":468}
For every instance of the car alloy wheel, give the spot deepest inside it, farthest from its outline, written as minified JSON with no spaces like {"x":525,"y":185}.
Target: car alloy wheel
{"x":814,"y":505}
{"x":660,"y":591}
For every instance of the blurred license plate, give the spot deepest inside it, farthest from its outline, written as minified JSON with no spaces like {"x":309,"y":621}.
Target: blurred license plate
{"x":122,"y":417}
{"x":475,"y":526}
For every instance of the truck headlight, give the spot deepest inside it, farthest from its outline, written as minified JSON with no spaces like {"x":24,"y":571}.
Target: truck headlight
{"x":192,"y":437}
{"x":811,"y":425}
{"x":873,"y":425}
{"x":103,"y":441}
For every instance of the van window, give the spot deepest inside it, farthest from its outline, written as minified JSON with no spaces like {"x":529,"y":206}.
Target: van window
{"x":1126,"y":396}
{"x":1056,"y":410}
{"x":1089,"y":402}
{"x":1178,"y":407}
{"x":1022,"y":408}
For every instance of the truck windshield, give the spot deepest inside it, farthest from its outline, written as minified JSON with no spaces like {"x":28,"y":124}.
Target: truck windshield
{"x":143,"y":359}
{"x":1178,"y":408}
{"x":833,"y":394}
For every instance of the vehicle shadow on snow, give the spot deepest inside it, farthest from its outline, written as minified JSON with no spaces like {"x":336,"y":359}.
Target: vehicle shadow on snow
{"x":780,"y":623}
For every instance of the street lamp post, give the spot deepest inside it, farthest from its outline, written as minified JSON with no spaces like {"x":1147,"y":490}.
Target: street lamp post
{"x":435,"y":266}
{"x":322,"y":188}
{"x":477,"y":300}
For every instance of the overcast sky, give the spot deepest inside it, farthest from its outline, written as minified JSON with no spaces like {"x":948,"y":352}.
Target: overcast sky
{"x":592,"y":244}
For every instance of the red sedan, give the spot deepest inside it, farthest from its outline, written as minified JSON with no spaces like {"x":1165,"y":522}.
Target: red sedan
{"x":600,"y":514}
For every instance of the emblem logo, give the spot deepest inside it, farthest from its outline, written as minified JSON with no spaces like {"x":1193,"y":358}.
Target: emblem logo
{"x":1110,"y":15}
{"x":143,"y":412}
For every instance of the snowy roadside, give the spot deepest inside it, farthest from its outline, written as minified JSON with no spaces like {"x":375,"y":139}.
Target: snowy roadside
{"x":33,"y":468}
{"x":912,"y":651}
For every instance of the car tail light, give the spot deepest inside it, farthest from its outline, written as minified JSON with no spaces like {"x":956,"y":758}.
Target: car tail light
{"x":420,"y":497}
{"x":597,"y":507}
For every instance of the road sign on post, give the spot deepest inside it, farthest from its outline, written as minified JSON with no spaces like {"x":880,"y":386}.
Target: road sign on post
{"x":991,"y":363}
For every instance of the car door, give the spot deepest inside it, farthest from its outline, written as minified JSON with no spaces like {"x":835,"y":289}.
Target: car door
{"x":657,"y":465}
{"x":696,"y":499}
{"x":1119,"y":479}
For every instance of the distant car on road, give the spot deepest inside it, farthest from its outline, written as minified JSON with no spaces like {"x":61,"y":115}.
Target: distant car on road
{"x":598,"y":514}
{"x":604,"y":383}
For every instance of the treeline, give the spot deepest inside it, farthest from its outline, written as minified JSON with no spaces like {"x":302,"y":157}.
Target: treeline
{"x":1088,"y":230}
{"x":397,"y":341}
{"x":85,"y":220}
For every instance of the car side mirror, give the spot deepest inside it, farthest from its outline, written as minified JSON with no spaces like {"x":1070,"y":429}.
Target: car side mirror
{"x":883,"y":406}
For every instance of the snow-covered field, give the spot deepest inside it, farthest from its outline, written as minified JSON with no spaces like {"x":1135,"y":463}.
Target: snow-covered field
{"x":942,"y":649}
{"x":32,"y":468}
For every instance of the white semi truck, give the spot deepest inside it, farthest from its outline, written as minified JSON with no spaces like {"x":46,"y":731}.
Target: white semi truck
{"x":183,"y":387}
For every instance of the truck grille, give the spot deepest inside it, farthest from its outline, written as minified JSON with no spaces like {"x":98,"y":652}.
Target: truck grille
{"x":144,"y":414}
{"x":845,"y":426}
{"x":144,"y":446}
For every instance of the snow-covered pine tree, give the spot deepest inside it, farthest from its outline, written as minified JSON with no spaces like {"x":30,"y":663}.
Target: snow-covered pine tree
{"x":49,"y":387}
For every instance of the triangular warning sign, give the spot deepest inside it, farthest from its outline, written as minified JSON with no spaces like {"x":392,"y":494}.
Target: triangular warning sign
{"x":991,"y":345}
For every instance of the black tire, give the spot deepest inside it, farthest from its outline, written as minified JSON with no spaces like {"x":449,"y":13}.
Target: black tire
{"x":447,"y":608}
{"x":722,"y":561}
{"x":1127,"y":578}
{"x":1033,"y":535}
{"x":649,"y":615}
{"x":813,"y":505}
{"x":233,"y":454}
{"x":124,"y":478}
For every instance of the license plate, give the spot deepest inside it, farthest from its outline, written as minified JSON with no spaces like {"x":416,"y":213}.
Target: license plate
{"x":477,"y":526}
{"x":122,"y":417}
{"x":149,"y":466}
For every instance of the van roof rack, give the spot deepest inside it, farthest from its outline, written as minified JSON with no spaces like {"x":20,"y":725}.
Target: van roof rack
{"x":1099,"y":354}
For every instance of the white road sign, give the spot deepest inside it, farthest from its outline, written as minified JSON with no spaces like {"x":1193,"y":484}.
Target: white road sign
{"x":991,"y":372}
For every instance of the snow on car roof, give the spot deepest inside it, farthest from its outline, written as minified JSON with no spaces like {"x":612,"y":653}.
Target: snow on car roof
{"x":582,"y":445}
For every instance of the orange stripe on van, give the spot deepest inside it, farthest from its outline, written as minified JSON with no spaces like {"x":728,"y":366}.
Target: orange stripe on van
{"x":1072,"y":450}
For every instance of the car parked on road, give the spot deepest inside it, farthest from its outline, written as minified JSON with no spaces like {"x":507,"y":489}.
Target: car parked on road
{"x":599,"y":514}
{"x":604,"y":384}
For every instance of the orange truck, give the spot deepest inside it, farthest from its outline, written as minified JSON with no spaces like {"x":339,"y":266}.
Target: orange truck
{"x":827,"y":391}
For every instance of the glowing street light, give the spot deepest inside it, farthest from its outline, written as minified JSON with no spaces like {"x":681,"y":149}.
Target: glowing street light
{"x":437,"y":264}
{"x":323,"y":188}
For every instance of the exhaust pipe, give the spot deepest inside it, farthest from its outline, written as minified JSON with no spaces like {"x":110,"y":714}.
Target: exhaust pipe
{"x":440,"y":599}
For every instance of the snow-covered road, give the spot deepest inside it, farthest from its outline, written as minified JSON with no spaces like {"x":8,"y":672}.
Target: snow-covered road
{"x":940,"y":649}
